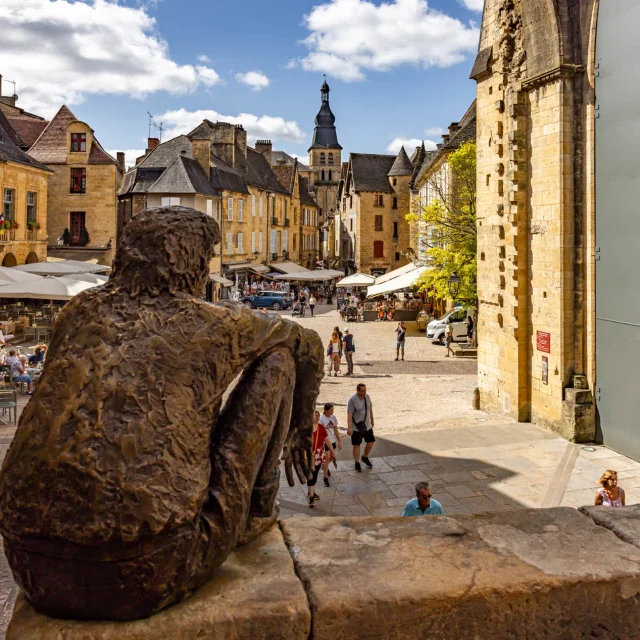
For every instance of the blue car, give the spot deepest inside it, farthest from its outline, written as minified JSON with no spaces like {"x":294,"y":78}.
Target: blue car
{"x":275,"y":300}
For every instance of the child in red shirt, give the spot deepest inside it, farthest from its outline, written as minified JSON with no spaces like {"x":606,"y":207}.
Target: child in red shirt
{"x":320,"y":439}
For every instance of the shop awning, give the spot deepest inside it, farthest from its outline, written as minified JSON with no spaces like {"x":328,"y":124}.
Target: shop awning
{"x":395,"y":273}
{"x":237,"y":267}
{"x":259,"y":268}
{"x":321,"y":275}
{"x":287,"y":267}
{"x":357,"y":280}
{"x":214,"y":277}
{"x":403,"y":281}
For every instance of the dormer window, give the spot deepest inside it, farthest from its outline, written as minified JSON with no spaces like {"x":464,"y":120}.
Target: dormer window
{"x":323,"y":159}
{"x":78,"y":142}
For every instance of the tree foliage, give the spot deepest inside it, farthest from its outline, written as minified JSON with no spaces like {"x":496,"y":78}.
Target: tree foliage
{"x":447,"y":235}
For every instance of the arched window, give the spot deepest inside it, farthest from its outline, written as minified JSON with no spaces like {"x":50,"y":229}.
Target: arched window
{"x":329,"y":174}
{"x":322,"y":173}
{"x":378,"y":249}
{"x":331,"y":158}
{"x":322,"y":158}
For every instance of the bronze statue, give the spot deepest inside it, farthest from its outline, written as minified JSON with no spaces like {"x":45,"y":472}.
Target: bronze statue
{"x":128,"y":482}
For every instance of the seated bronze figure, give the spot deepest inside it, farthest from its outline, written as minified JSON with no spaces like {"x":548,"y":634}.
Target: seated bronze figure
{"x":128,"y":482}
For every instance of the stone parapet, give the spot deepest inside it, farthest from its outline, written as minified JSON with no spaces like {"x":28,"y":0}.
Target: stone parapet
{"x":544,"y":573}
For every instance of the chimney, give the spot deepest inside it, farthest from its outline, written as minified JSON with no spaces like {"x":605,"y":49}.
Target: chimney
{"x":241,"y":142}
{"x":152,"y":143}
{"x":264,"y":147}
{"x":202,"y":153}
{"x":122,"y":166}
{"x":223,"y":142}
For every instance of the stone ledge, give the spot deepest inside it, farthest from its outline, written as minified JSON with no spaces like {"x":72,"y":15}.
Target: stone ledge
{"x":546,"y":573}
{"x":256,"y":594}
{"x":535,"y":573}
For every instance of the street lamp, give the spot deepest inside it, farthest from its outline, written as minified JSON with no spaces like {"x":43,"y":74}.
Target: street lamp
{"x":454,"y":285}
{"x":255,"y":255}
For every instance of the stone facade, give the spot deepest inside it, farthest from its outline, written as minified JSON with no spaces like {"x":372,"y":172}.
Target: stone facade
{"x":535,"y":100}
{"x":82,"y":189}
{"x":374,"y":204}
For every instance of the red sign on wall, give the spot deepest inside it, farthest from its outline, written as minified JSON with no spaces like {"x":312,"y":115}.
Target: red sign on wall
{"x":543,"y":341}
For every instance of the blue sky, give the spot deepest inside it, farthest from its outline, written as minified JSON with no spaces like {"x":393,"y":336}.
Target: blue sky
{"x":397,"y":70}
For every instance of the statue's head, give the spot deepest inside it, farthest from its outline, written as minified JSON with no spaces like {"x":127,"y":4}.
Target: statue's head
{"x":166,"y":249}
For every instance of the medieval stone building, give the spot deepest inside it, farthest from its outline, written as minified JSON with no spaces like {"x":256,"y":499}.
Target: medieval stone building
{"x":557,"y":278}
{"x":325,"y":159}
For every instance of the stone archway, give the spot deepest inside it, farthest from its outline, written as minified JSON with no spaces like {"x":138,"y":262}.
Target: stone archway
{"x":9,"y":260}
{"x":32,"y":258}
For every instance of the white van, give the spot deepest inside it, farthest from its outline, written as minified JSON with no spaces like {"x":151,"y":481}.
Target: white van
{"x":458,"y":320}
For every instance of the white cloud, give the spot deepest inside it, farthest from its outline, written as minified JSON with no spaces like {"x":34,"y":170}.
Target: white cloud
{"x":59,"y":51}
{"x":350,"y":37}
{"x":130,"y":155}
{"x":258,"y":127}
{"x":292,"y":64}
{"x":409,"y":145}
{"x":435,"y":131}
{"x":203,"y":58}
{"x":254,"y":79}
{"x":474,"y":5}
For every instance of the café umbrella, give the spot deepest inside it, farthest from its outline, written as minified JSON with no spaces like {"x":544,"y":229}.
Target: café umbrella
{"x":61,"y":268}
{"x":9,"y":275}
{"x":47,"y":288}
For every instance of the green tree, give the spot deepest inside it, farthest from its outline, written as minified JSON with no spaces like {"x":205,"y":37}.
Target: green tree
{"x":447,"y":234}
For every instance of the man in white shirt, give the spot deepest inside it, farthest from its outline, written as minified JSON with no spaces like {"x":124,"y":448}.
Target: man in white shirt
{"x":329,"y":421}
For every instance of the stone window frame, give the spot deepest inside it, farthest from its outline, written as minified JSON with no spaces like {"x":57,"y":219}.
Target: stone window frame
{"x":394,"y":203}
{"x":331,"y":158}
{"x":378,"y":200}
{"x":9,"y":203}
{"x":378,"y":249}
{"x":323,"y":159}
{"x":78,"y":180}
{"x":378,"y":223}
{"x":32,"y":207}
{"x":78,"y":143}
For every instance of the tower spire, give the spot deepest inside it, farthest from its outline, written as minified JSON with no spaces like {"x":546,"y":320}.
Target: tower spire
{"x":324,"y":134}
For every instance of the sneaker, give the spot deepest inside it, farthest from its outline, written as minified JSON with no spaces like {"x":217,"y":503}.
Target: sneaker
{"x":312,"y":503}
{"x":358,"y":467}
{"x":326,"y":482}
{"x":315,"y":496}
{"x":396,"y":360}
{"x":367,"y":462}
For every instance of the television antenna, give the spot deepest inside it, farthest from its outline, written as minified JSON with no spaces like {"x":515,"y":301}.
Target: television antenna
{"x":155,"y":125}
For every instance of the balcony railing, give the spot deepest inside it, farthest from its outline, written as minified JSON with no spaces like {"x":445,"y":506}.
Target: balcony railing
{"x":7,"y":235}
{"x":32,"y":234}
{"x":274,"y":220}
{"x":274,"y":256}
{"x":287,"y":222}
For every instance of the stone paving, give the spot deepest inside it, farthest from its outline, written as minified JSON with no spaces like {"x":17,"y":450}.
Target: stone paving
{"x":426,"y":430}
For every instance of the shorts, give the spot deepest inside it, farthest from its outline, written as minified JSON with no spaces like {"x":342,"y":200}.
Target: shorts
{"x":333,"y":444}
{"x":447,"y":342}
{"x":357,"y":437}
{"x":22,"y":378}
{"x":400,"y":344}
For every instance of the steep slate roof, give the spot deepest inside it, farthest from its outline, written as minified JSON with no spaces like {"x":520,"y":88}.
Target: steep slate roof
{"x":140,"y":179}
{"x":9,"y":150}
{"x":51,"y":145}
{"x":185,"y":175}
{"x":370,"y":172}
{"x":165,"y":154}
{"x":282,"y":157}
{"x":402,"y":165}
{"x":260,"y":174}
{"x":28,"y":128}
{"x":324,"y":134}
{"x":225,"y":177}
{"x":305,"y":196}
{"x":284,"y":173}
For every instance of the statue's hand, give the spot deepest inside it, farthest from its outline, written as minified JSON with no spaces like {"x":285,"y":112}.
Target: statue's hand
{"x":298,"y":454}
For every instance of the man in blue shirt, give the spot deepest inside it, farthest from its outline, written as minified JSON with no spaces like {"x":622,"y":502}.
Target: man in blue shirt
{"x":423,"y":504}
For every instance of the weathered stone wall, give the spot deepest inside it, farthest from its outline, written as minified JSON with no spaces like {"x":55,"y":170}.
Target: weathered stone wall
{"x":22,"y":242}
{"x":535,"y":573}
{"x":534,"y":241}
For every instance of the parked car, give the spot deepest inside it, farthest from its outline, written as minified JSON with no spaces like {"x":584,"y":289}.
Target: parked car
{"x":457,"y":318}
{"x":275,"y":300}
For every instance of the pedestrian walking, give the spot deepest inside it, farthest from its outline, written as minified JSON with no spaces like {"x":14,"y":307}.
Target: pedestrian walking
{"x":320,"y":441}
{"x":333,"y":351}
{"x":329,"y":421}
{"x":312,"y":304}
{"x":448,"y":338}
{"x":303,"y":304}
{"x":349,"y":348}
{"x":610,"y":495}
{"x":401,"y":332}
{"x":423,"y":504}
{"x":469,"y":330}
{"x":360,"y":425}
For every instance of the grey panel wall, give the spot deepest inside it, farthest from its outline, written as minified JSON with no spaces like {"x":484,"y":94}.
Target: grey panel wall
{"x":618,"y":225}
